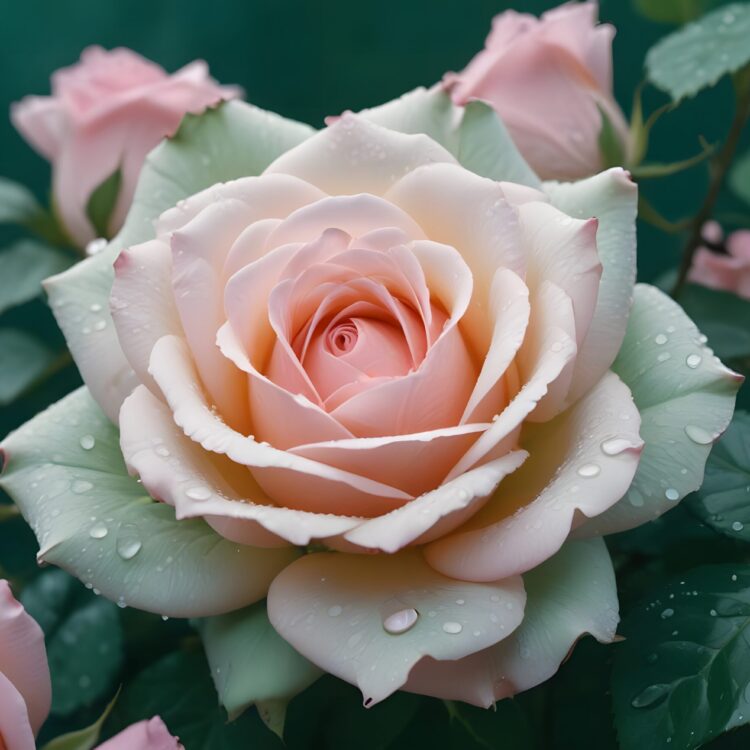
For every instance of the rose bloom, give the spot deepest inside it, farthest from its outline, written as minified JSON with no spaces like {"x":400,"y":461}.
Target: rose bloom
{"x":106,"y":113}
{"x":26,"y":691}
{"x":729,"y":271}
{"x":549,"y":79}
{"x":398,"y":394}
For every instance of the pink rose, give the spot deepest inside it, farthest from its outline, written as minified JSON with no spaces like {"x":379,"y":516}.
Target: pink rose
{"x":25,"y":689}
{"x":548,"y":78}
{"x":145,"y":735}
{"x":106,"y":113}
{"x":728,"y":271}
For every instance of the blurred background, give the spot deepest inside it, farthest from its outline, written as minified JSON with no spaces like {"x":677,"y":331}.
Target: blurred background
{"x":307,"y":59}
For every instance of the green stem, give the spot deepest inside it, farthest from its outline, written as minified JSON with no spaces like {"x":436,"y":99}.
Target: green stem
{"x":721,"y":167}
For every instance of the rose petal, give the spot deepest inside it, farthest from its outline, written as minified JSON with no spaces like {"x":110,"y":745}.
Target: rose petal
{"x":15,"y":730}
{"x":145,"y":735}
{"x":580,"y":464}
{"x":332,"y":609}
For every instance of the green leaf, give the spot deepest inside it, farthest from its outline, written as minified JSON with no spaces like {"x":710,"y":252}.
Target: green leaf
{"x":723,"y":502}
{"x":23,"y":267}
{"x":685,"y":398}
{"x":611,"y":146}
{"x":178,"y":688}
{"x":723,"y":317}
{"x":658,"y":169}
{"x":505,"y":727}
{"x":17,"y":203}
{"x":82,"y":739}
{"x":102,"y":202}
{"x":739,"y":177}
{"x":230,"y":141}
{"x":681,"y":674}
{"x":251,"y":663}
{"x":23,"y":360}
{"x":474,"y":134}
{"x":83,"y":637}
{"x":698,"y":55}
{"x":673,"y":11}
{"x":66,"y":473}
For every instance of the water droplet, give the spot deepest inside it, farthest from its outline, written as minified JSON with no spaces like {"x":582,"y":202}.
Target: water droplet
{"x":454,"y":628}
{"x":660,"y":339}
{"x":335,"y":610}
{"x":96,"y":246}
{"x":589,"y":470}
{"x":693,"y":360}
{"x":651,"y":696}
{"x":98,"y":531}
{"x":738,"y":526}
{"x":615,"y":446}
{"x":667,"y":613}
{"x":713,"y":613}
{"x":96,"y":307}
{"x":199,"y":493}
{"x":128,"y":543}
{"x":698,"y":434}
{"x":162,"y":451}
{"x":401,"y":621}
{"x":672,"y":494}
{"x":734,"y":576}
{"x":80,"y":486}
{"x":87,"y":442}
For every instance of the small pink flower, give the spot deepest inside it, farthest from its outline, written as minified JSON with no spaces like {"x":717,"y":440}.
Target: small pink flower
{"x":730,"y":271}
{"x":106,"y":113}
{"x":548,"y":78}
{"x":145,"y":735}
{"x":25,"y":688}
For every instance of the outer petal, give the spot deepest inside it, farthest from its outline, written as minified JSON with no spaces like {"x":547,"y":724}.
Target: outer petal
{"x":199,"y":483}
{"x":133,"y":550}
{"x":332,"y":609}
{"x":23,"y":658}
{"x":686,"y":399}
{"x":250,"y":662}
{"x":612,"y":198}
{"x":355,"y":156}
{"x":581,"y":463}
{"x":571,"y":594}
{"x":145,"y":735}
{"x":474,"y":134}
{"x":15,"y":729}
{"x":238,"y":140}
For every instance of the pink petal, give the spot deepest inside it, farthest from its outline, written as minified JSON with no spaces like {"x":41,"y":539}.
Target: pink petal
{"x":15,"y":730}
{"x":145,"y":735}
{"x":570,"y":474}
{"x":23,"y":658}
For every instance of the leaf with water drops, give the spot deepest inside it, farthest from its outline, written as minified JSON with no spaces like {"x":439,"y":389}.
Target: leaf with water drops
{"x":178,"y":688}
{"x":251,"y":664}
{"x":685,"y":397}
{"x":66,"y":473}
{"x":723,"y":502}
{"x":230,"y":141}
{"x":698,"y":55}
{"x":681,"y":676}
{"x":83,"y":638}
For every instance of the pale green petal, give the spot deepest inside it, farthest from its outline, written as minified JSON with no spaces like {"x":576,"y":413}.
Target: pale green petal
{"x":474,"y":134}
{"x":686,"y":400}
{"x":369,"y":619}
{"x":612,"y":198}
{"x":571,"y":594}
{"x":233,"y":140}
{"x":65,"y":471}
{"x":251,"y":663}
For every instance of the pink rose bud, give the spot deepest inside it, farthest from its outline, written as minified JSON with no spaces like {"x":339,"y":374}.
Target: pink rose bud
{"x":550,"y":80}
{"x":730,"y":271}
{"x":106,"y":113}
{"x":145,"y":735}
{"x":25,"y":687}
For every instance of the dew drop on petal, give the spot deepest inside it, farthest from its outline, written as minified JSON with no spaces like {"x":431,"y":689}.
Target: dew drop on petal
{"x":652,"y":695}
{"x":615,"y":446}
{"x":454,"y":628}
{"x":87,"y":442}
{"x":738,"y":526}
{"x":667,"y":613}
{"x":199,"y":493}
{"x":589,"y":470}
{"x":693,"y":360}
{"x":698,"y":434}
{"x":98,"y":531}
{"x":401,"y":621}
{"x":671,"y":494}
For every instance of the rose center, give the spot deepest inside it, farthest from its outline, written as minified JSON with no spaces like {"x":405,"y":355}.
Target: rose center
{"x":342,"y":338}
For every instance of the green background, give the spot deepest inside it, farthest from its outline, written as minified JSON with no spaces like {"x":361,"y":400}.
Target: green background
{"x":308,"y":59}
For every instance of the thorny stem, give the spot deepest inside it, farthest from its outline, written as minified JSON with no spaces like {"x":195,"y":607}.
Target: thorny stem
{"x":721,"y":167}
